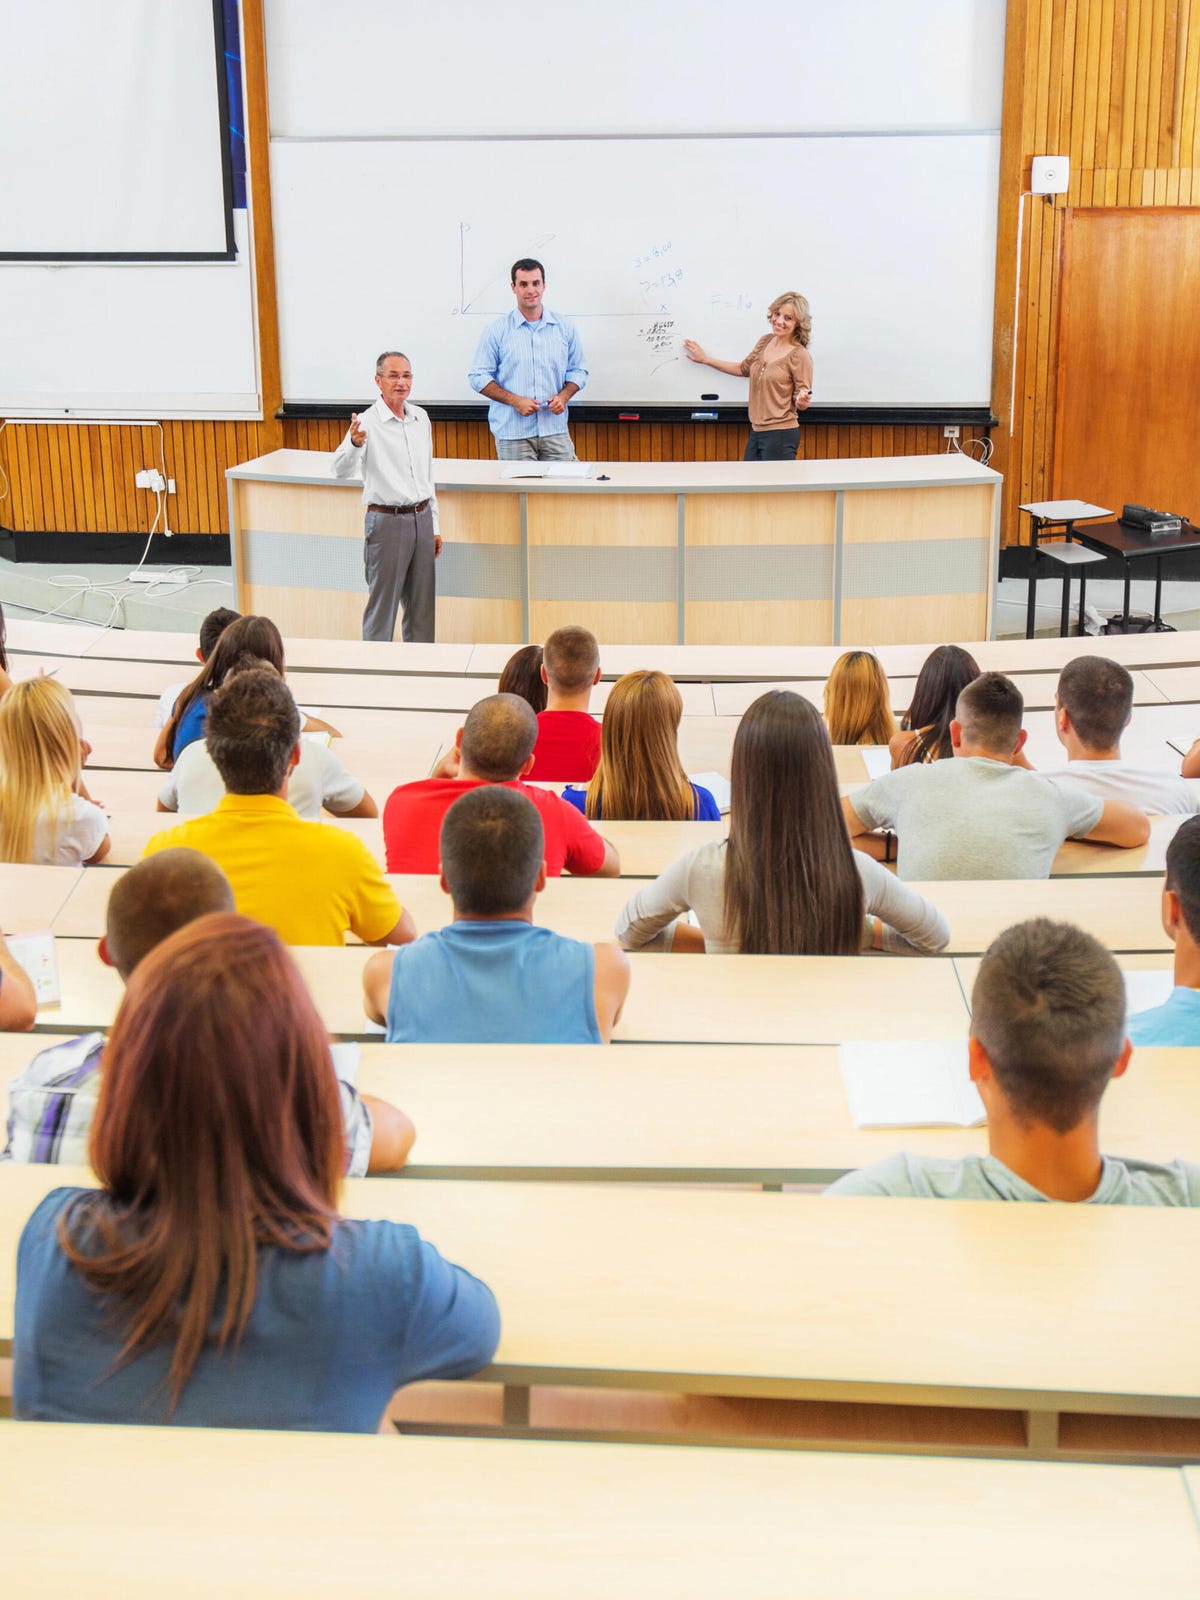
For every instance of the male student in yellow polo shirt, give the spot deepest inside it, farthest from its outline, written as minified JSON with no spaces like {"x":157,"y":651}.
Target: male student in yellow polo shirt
{"x":310,"y":881}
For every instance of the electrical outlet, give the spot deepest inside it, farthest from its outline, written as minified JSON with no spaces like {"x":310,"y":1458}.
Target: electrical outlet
{"x":142,"y":479}
{"x":950,"y":431}
{"x":170,"y":485}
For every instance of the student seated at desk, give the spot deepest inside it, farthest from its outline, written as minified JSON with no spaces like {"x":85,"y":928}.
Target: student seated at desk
{"x":925,"y":727}
{"x":52,"y":1102}
{"x":640,"y":777}
{"x":491,"y":976}
{"x":1177,"y":1020}
{"x":522,"y":676}
{"x":981,"y":815}
{"x":46,"y":815}
{"x":318,"y":779}
{"x":1047,"y":1034}
{"x":858,"y":701}
{"x":786,"y":881}
{"x":18,"y":998}
{"x":210,"y":1281}
{"x":310,"y":881}
{"x":493,"y":746}
{"x":568,"y":738}
{"x":247,"y":636}
{"x":211,"y":629}
{"x":1092,"y":708}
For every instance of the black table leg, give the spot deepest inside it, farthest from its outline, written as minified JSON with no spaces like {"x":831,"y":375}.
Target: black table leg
{"x":1064,"y":620}
{"x":1158,"y":594}
{"x":1082,"y":598}
{"x":1031,"y":605}
{"x":1128,"y":573}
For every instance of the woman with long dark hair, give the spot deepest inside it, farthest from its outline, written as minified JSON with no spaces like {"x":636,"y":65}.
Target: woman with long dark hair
{"x":210,"y":1280}
{"x":925,"y":727}
{"x":786,"y":882}
{"x":522,"y":675}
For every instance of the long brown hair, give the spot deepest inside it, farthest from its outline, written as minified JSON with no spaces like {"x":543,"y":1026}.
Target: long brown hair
{"x":218,"y":1129}
{"x":791,"y":886}
{"x":248,"y":636}
{"x":946,"y":673}
{"x":858,"y":701}
{"x":640,"y":777}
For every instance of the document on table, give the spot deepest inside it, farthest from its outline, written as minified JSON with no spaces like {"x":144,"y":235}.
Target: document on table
{"x":1144,"y":990}
{"x":910,"y":1083}
{"x":347,"y":1058}
{"x":716,"y":785}
{"x":547,"y":469}
{"x":34,"y":954}
{"x":877,"y":759}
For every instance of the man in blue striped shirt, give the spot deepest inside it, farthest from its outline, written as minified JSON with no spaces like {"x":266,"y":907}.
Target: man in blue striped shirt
{"x":529,"y":364}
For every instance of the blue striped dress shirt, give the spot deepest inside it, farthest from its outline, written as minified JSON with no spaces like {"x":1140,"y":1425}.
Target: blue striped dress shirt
{"x":529,"y":358}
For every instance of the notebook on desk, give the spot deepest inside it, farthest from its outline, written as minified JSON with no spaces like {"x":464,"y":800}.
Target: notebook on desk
{"x":547,"y":469}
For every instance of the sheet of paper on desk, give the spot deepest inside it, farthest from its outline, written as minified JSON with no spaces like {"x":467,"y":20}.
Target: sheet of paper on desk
{"x":877,"y":759}
{"x":910,"y":1083}
{"x":1144,"y":990}
{"x":547,"y":469}
{"x":319,"y":736}
{"x":347,"y":1058}
{"x":34,"y":952}
{"x":716,"y":785}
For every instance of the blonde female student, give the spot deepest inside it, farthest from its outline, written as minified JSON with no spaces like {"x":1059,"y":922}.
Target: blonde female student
{"x":45,"y":818}
{"x":858,"y":701}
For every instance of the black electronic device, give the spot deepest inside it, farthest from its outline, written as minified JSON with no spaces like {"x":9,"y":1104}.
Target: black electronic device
{"x":1158,"y":524}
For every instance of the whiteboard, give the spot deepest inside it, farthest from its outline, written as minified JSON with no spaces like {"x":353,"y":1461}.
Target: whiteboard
{"x":130,"y":339}
{"x":112,"y":117}
{"x":632,"y":67}
{"x":407,"y":245}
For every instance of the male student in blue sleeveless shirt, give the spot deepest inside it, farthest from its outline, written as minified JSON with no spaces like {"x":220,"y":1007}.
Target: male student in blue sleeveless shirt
{"x":491,"y":976}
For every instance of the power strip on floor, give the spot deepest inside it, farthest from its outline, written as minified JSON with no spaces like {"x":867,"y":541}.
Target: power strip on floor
{"x":144,"y":575}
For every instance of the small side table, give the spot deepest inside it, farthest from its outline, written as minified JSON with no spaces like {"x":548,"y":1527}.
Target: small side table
{"x":1049,"y":514}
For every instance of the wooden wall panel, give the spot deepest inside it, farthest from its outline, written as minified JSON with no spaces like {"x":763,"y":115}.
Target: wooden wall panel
{"x":1113,"y":84}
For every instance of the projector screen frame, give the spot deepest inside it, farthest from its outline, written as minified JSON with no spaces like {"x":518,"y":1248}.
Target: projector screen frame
{"x":230,"y":251}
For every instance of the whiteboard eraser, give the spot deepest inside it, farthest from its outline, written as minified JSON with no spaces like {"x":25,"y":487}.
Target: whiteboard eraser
{"x":1051,"y":175}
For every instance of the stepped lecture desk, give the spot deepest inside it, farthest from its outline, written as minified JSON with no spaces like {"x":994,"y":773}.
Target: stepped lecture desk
{"x":891,"y":550}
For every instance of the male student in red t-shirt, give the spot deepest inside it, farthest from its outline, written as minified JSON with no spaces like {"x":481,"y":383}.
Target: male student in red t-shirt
{"x":494,"y":745}
{"x":568,"y":740}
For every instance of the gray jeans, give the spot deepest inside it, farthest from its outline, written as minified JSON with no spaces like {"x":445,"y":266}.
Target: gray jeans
{"x":554,"y":447}
{"x":398,"y":557}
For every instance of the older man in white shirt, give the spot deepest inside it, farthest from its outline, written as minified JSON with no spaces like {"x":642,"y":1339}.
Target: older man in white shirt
{"x":391,"y":448}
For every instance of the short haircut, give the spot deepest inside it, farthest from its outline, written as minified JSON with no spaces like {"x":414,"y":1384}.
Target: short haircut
{"x":383,"y":356}
{"x":492,"y":847}
{"x":498,"y":737}
{"x":213,"y":627}
{"x":1048,"y":1007}
{"x":526,"y":264}
{"x":990,"y":710}
{"x":158,"y":897}
{"x":1183,"y":872}
{"x":1097,"y":695}
{"x":570,"y":657}
{"x":253,"y":725}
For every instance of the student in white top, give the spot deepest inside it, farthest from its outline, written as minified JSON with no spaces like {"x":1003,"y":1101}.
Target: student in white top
{"x":980,"y":815}
{"x":195,"y":787}
{"x":1092,"y":708}
{"x":44,"y":817}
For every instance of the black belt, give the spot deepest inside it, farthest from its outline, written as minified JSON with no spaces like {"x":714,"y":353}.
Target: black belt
{"x":401,"y":511}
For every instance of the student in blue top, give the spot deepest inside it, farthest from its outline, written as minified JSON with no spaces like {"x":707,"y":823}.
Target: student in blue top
{"x":210,"y":1281}
{"x":491,"y":976}
{"x":1177,"y":1020}
{"x":256,"y":637}
{"x":1047,"y":1036}
{"x":640,"y":777}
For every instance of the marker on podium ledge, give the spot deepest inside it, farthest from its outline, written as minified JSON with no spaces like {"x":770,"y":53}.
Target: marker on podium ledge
{"x":629,"y":416}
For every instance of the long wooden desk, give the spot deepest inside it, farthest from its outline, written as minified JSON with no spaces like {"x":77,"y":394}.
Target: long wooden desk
{"x":654,"y":1113}
{"x":1052,"y":1311}
{"x":1123,"y":913}
{"x":744,"y":1000}
{"x":198,"y":1513}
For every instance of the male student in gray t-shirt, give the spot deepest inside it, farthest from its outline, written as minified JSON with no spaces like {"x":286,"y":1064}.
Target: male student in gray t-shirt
{"x":978,"y":815}
{"x":1047,"y":1034}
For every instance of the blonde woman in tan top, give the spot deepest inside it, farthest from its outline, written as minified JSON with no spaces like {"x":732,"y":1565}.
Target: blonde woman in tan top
{"x":780,"y":372}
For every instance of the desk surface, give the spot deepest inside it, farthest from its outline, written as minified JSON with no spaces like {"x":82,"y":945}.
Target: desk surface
{"x":291,"y":1515}
{"x":745,"y":999}
{"x":732,"y":1293}
{"x":1117,"y":539}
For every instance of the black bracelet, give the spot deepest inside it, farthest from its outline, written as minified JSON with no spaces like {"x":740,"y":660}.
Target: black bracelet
{"x":889,"y":840}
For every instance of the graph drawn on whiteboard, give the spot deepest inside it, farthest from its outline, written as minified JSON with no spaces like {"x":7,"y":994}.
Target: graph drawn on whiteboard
{"x":481,"y":289}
